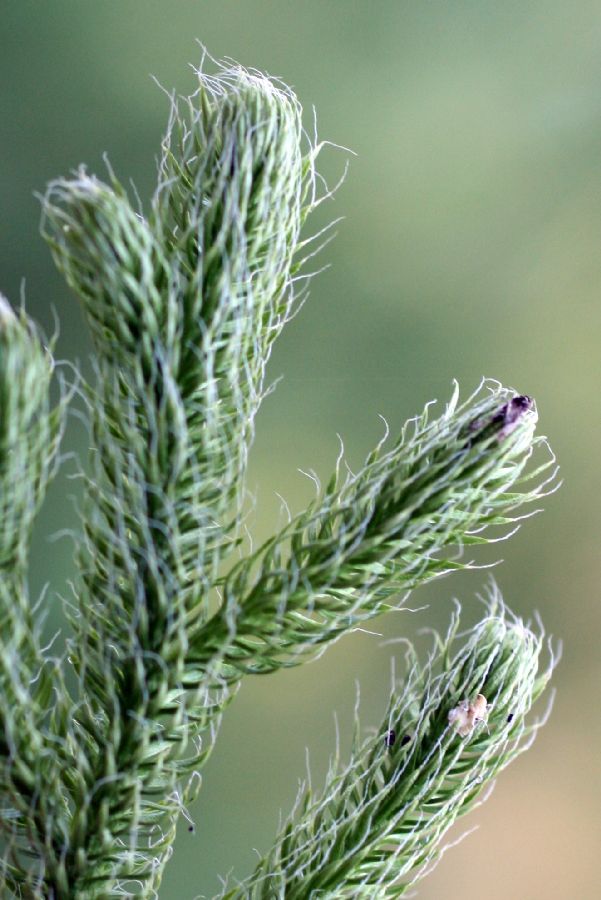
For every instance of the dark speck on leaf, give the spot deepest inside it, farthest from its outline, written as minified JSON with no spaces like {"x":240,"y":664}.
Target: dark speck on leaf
{"x":390,"y":737}
{"x":506,"y":419}
{"x":510,"y":717}
{"x":405,"y":739}
{"x":510,"y":414}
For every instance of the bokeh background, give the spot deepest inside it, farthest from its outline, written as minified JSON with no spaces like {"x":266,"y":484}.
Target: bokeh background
{"x":471,"y":245}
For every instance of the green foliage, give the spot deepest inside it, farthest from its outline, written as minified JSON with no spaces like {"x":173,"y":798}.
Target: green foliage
{"x":379,"y":822}
{"x":184,"y":304}
{"x":29,"y":433}
{"x":382,"y":531}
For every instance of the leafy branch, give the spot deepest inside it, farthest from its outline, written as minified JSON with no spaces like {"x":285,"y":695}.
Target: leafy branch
{"x":184,"y":303}
{"x":380,"y":820}
{"x":380,"y":532}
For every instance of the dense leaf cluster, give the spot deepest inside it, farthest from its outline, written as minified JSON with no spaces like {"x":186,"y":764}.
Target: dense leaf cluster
{"x":184,"y":302}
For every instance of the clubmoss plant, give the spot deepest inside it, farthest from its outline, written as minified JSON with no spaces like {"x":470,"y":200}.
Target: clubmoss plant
{"x":184,"y":302}
{"x":380,"y":819}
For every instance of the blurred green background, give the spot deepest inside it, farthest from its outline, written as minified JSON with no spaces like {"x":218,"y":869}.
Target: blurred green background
{"x":470,"y":246}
